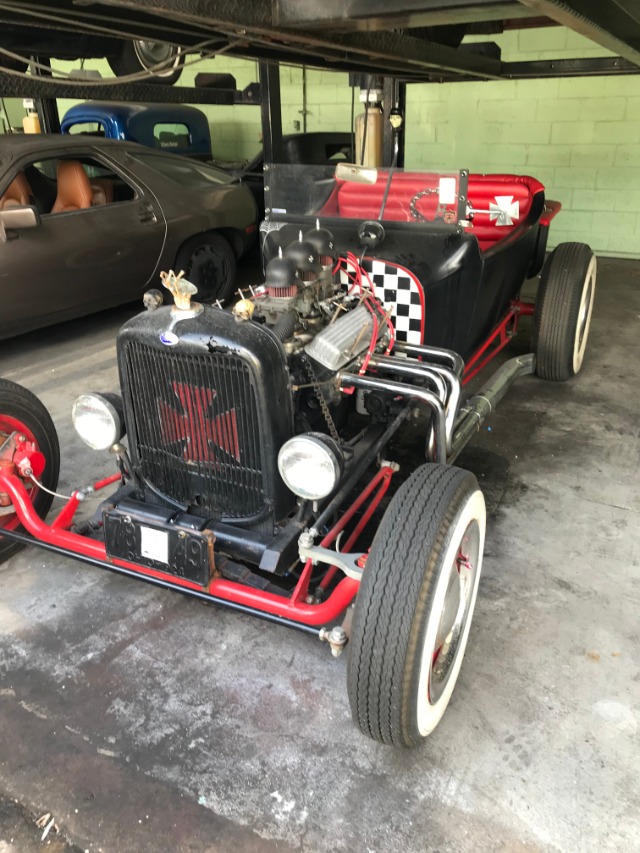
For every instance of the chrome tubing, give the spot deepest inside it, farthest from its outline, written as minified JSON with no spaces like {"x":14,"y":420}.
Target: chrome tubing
{"x":455,"y":393}
{"x":424,"y":370}
{"x":410,"y":367}
{"x":421,"y":395}
{"x":482,"y":404}
{"x":437,"y":354}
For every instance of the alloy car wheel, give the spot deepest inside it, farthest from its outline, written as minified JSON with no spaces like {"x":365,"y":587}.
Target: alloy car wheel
{"x":209,"y":262}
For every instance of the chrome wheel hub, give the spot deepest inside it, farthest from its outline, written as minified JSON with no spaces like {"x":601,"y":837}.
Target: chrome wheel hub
{"x":455,"y":612}
{"x":151,"y":53}
{"x":584,"y":316}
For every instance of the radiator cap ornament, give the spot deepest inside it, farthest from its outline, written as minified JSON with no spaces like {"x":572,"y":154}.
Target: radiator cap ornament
{"x":182,"y":291}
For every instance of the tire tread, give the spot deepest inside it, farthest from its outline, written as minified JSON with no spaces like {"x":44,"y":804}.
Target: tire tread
{"x":557,"y":308}
{"x":393,"y":587}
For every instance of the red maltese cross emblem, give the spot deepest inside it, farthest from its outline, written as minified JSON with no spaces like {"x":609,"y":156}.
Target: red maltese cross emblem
{"x":204,"y":437}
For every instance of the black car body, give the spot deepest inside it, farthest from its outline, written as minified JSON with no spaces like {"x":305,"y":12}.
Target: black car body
{"x":147,"y":211}
{"x":261,"y":440}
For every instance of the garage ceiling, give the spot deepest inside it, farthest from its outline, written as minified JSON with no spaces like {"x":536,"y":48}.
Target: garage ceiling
{"x":410,"y":39}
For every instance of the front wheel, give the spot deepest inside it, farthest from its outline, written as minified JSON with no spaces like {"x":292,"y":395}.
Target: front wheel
{"x":209,"y":262}
{"x":564,"y":305}
{"x":21,"y":411}
{"x":415,"y":604}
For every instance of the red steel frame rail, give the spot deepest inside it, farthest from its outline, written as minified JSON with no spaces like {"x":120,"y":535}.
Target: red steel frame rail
{"x":296,"y":608}
{"x":498,"y":339}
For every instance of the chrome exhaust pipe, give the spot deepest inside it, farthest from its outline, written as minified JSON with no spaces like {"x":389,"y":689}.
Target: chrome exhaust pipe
{"x":424,"y":370}
{"x":411,"y":392}
{"x":482,"y":404}
{"x":441,"y":356}
{"x":409,"y":367}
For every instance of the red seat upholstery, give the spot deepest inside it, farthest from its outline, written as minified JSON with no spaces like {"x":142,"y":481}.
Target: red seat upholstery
{"x":505,"y":200}
{"x":364,"y":200}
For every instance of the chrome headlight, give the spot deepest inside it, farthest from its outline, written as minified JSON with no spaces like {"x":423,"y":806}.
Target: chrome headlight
{"x":98,"y":419}
{"x":310,"y":465}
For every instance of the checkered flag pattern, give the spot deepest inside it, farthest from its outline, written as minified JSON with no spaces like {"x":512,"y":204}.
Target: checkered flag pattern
{"x":400,"y":291}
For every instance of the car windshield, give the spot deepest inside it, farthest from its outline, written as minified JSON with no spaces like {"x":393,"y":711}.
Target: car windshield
{"x":346,"y":191}
{"x":187,"y":173}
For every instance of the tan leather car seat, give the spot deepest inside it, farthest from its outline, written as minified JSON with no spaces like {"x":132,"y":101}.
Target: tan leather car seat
{"x":102,"y":189}
{"x":74,"y":189}
{"x":17,"y":193}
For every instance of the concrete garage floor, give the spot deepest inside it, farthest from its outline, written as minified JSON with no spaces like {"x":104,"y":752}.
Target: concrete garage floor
{"x":144,"y":721}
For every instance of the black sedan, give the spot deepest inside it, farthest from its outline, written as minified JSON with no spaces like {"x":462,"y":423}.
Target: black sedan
{"x":86,"y":224}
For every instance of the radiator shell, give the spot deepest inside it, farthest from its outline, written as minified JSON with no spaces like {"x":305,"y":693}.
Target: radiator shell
{"x":206,"y":416}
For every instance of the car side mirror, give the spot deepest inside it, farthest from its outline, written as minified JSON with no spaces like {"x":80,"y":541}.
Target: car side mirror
{"x":356,"y":174}
{"x":15,"y":219}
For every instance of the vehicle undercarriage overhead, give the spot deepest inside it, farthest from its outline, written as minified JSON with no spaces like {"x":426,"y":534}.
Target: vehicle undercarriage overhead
{"x":409,"y":39}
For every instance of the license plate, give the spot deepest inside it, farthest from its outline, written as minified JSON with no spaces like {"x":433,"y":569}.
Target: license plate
{"x":176,"y":550}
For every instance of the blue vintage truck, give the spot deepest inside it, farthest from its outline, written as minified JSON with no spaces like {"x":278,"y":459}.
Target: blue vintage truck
{"x":185,"y":130}
{"x":171,"y":127}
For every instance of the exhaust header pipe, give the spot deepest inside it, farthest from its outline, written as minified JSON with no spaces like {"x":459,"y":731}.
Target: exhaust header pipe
{"x":482,"y":404}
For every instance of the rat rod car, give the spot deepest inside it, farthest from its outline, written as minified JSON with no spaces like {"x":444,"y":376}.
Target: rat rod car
{"x":259,"y":438}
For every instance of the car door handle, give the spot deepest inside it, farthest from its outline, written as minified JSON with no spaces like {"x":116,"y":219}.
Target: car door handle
{"x":147,"y":214}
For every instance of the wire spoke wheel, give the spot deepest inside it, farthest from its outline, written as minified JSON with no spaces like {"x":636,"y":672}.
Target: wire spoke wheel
{"x":414,"y":608}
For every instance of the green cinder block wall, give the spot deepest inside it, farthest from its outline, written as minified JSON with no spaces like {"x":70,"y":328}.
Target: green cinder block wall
{"x":579,"y":136}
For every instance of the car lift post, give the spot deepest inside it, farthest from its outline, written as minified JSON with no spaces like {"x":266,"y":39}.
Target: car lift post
{"x":47,"y":108}
{"x":394,"y":94}
{"x":271,"y":112}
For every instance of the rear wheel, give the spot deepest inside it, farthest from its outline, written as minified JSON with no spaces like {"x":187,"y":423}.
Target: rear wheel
{"x":21,"y":411}
{"x":415,"y":604}
{"x":564,"y":305}
{"x":136,"y":56}
{"x":209,"y":262}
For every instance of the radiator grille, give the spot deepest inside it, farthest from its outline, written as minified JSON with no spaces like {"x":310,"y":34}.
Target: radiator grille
{"x":195,"y":428}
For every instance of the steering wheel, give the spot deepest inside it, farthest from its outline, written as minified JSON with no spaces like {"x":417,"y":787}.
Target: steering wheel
{"x":370,"y":233}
